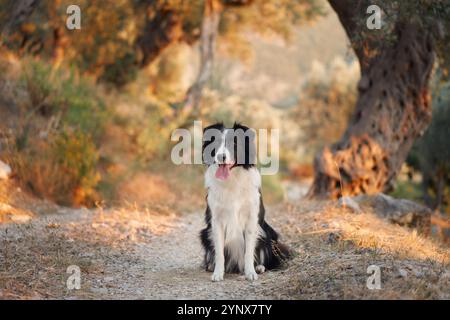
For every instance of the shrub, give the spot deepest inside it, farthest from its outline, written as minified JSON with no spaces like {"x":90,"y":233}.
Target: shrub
{"x":272,"y":189}
{"x":431,"y":153}
{"x":61,"y":93}
{"x":327,"y":102}
{"x":62,"y":170}
{"x":54,"y":152}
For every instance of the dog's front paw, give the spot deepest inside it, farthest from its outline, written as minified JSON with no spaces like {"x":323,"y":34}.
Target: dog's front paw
{"x":251,"y":276}
{"x":217,"y":276}
{"x":260,"y":269}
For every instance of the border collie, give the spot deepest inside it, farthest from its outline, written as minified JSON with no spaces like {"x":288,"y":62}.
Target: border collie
{"x":236,"y":238}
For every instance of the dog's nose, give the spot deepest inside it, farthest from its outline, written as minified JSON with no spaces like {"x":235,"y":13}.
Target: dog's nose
{"x":221,"y":157}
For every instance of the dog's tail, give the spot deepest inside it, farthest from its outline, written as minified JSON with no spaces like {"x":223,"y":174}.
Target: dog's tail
{"x":275,"y":253}
{"x":282,"y":251}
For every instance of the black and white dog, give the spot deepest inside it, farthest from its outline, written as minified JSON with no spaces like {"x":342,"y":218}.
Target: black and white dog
{"x":236,"y":238}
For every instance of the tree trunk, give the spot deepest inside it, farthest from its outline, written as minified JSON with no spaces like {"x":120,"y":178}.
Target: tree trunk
{"x":160,"y":31}
{"x":392,"y":110}
{"x":208,"y":38}
{"x":166,"y":27}
{"x":59,"y":40}
{"x":20,"y":11}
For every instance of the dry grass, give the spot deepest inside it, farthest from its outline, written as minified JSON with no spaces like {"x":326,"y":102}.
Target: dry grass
{"x":145,"y":188}
{"x":35,"y":256}
{"x":118,"y":228}
{"x":43,"y":176}
{"x":335,"y":247}
{"x":163,"y":185}
{"x":9,"y":212}
{"x":35,"y":259}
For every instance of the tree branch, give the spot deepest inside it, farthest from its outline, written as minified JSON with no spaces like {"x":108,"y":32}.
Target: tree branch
{"x":349,"y":11}
{"x":20,"y":11}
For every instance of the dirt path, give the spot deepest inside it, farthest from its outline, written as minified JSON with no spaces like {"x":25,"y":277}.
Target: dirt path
{"x":170,"y":269}
{"x":131,"y":254}
{"x":144,"y":264}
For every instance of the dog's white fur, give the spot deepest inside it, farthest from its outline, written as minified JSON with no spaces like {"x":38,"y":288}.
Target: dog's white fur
{"x":223,"y":148}
{"x":234,"y":219}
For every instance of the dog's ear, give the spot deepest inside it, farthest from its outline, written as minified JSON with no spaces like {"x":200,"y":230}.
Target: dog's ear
{"x":251,"y":147}
{"x":218,"y":126}
{"x":209,"y":137}
{"x":237,"y":126}
{"x":247,"y":147}
{"x":249,"y":132}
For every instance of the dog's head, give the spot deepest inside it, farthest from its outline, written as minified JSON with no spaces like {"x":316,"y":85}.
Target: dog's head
{"x":228,"y":148}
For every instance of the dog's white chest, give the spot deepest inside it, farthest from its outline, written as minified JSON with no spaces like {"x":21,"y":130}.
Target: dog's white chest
{"x":240,"y":190}
{"x":233,"y":201}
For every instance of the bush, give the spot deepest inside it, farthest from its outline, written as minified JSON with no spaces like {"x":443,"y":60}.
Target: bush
{"x":62,"y":170}
{"x":54,"y":152}
{"x":327,"y":102}
{"x":431,"y":153}
{"x":61,"y":93}
{"x":272,"y":189}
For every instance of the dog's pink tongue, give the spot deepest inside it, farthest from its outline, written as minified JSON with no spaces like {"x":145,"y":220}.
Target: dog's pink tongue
{"x":223,"y":171}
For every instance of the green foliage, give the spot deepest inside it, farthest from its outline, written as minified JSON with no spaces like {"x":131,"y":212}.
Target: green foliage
{"x":327,"y":102}
{"x":431,"y":153}
{"x":434,"y":146}
{"x":149,"y":131}
{"x":78,"y":155}
{"x":107,"y":44}
{"x":56,"y":150}
{"x":272,"y":189}
{"x":121,"y":71}
{"x":63,"y":94}
{"x":431,"y":16}
{"x":270,"y":17}
{"x":39,"y":87}
{"x":407,"y":190}
{"x":266,"y":18}
{"x":103,"y":47}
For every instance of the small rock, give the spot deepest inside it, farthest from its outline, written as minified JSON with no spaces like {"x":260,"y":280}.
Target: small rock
{"x":5,"y":170}
{"x":348,"y":202}
{"x":399,"y":211}
{"x":99,"y":290}
{"x":403,"y":273}
{"x":417,"y":273}
{"x":108,"y":279}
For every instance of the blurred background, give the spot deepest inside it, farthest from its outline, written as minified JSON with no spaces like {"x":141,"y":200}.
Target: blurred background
{"x":91,"y":91}
{"x":86,"y":115}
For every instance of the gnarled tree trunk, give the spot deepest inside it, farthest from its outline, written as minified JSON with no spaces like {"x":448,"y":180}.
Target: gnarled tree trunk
{"x":392,"y":110}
